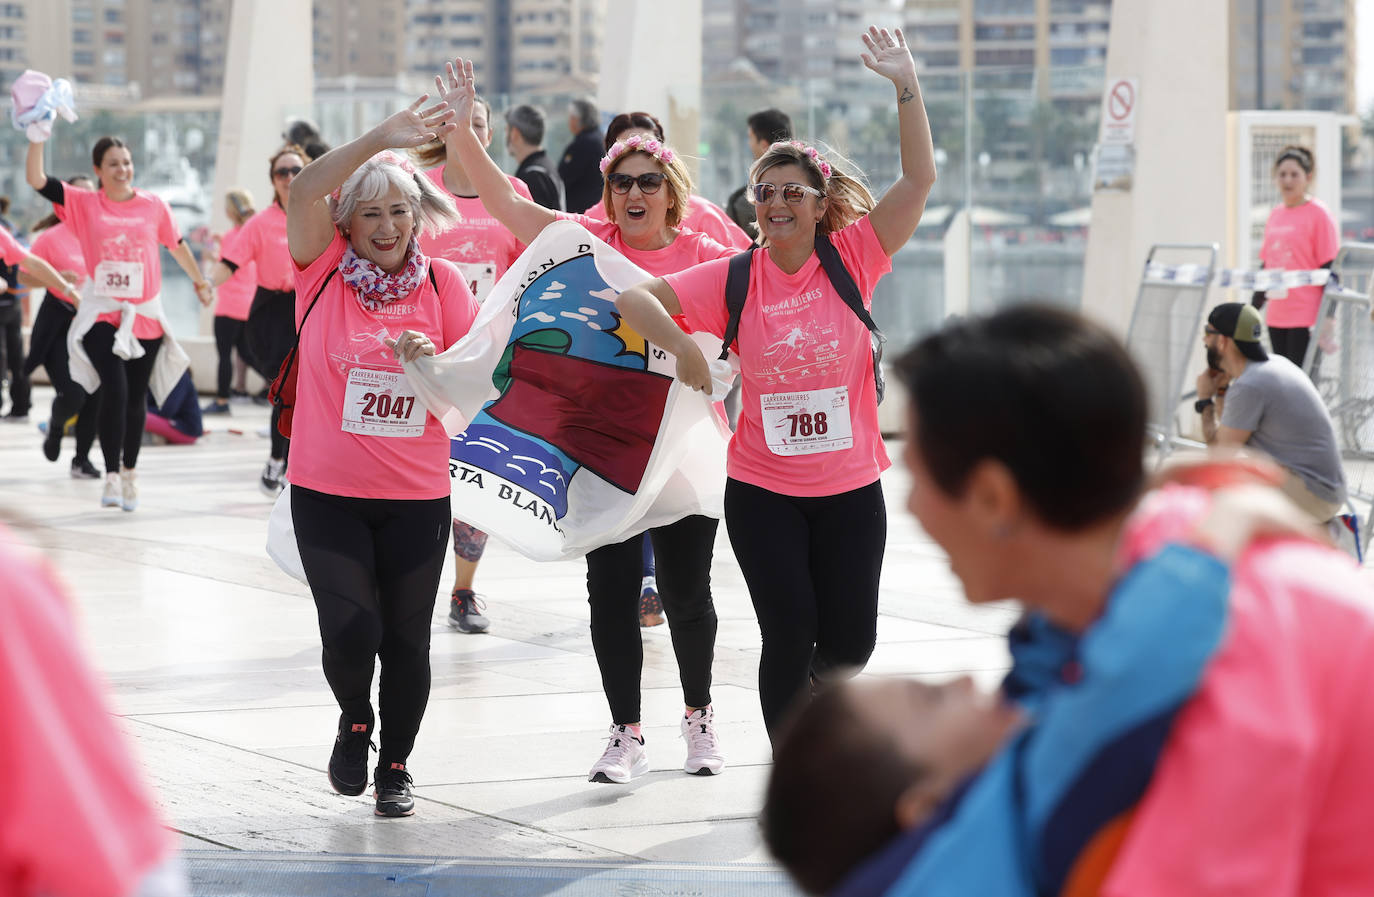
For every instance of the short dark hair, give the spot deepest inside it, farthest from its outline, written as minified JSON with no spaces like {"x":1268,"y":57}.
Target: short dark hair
{"x":301,"y":131}
{"x":103,"y":146}
{"x":528,"y":121}
{"x":586,"y":112}
{"x":1049,"y":394}
{"x":771,"y":125}
{"x":636,"y":121}
{"x":832,"y":794}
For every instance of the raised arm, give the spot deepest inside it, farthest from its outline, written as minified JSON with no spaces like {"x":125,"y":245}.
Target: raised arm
{"x":309,"y":225}
{"x":895,"y":217}
{"x":34,"y":172}
{"x":648,"y":308}
{"x":522,"y":217}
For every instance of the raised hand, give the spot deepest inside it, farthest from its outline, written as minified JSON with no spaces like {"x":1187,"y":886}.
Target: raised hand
{"x":888,"y":55}
{"x":458,"y":88}
{"x":414,"y":126}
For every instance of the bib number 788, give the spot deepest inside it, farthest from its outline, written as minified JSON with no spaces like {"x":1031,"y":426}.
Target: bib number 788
{"x":804,"y":424}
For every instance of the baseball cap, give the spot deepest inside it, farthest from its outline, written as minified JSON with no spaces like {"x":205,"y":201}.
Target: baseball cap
{"x":1240,"y":322}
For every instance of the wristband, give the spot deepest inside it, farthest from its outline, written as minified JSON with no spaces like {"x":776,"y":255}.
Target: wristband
{"x":1202,"y":405}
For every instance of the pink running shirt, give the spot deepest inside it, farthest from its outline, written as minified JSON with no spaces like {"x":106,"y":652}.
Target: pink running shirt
{"x":235,"y":295}
{"x":11,"y":250}
{"x":689,"y":249}
{"x":479,"y":245}
{"x":80,"y":819}
{"x":1263,"y":788}
{"x":351,"y":435}
{"x":59,"y":247}
{"x":704,"y":217}
{"x":1301,"y":238}
{"x":119,"y":241}
{"x":262,"y":243}
{"x":808,"y":414}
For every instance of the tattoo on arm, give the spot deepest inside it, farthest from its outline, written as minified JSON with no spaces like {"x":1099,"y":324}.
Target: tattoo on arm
{"x":907,"y":96}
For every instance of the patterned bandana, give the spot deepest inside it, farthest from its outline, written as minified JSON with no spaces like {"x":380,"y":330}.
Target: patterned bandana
{"x":374,"y":287}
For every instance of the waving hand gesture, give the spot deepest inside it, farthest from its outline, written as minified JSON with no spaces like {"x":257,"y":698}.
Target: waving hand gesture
{"x":413,"y":126}
{"x":888,"y":55}
{"x":459,"y":90}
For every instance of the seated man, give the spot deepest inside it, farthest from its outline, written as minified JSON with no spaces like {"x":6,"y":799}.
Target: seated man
{"x":1248,"y":398}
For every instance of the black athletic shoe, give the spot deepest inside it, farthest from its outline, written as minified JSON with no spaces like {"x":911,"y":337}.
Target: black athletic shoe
{"x":52,"y":441}
{"x":83,"y":469}
{"x":392,"y":789}
{"x":348,"y":763}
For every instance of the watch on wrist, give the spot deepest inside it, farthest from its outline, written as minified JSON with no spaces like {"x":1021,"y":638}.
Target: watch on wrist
{"x":1202,"y":405}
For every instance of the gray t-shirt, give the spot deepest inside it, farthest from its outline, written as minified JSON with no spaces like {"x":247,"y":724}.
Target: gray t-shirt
{"x":1276,"y":401}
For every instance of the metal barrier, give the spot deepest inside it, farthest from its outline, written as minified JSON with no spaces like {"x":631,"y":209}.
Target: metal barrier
{"x":1340,"y":361}
{"x":1163,"y":337}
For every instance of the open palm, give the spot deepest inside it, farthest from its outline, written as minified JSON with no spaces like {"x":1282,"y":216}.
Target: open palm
{"x":414,"y":126}
{"x":888,"y":54}
{"x":458,"y":88}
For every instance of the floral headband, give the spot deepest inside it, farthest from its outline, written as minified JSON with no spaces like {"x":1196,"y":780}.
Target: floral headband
{"x":637,"y":142}
{"x":812,"y":153}
{"x":385,"y":157}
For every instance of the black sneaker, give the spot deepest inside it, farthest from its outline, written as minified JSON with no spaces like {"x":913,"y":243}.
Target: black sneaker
{"x":83,"y":469}
{"x":465,"y":612}
{"x":392,"y":789}
{"x":52,"y":441}
{"x":348,"y":763}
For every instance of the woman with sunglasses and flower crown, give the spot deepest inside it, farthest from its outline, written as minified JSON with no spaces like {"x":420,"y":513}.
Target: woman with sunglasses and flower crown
{"x":369,"y":474}
{"x":803,"y":502}
{"x":270,"y":329}
{"x":646,"y":190}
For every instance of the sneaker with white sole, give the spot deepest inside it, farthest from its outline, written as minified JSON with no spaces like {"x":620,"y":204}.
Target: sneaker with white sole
{"x":704,"y":757}
{"x":113,"y":496}
{"x":271,"y":482}
{"x":83,"y":469}
{"x":128,"y":490}
{"x":624,"y":759}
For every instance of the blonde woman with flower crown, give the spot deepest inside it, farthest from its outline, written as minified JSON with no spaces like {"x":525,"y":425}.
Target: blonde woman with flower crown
{"x":803,"y":502}
{"x":646,"y":192}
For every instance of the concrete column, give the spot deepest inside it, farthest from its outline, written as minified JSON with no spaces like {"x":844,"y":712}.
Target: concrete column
{"x":642,"y":71}
{"x":1179,"y":189}
{"x":48,"y":33}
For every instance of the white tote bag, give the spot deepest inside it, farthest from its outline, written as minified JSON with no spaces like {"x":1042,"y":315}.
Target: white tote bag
{"x":281,"y":538}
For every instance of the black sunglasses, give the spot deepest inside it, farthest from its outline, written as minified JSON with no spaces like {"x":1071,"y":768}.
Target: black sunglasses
{"x":286,"y":172}
{"x":649,"y":182}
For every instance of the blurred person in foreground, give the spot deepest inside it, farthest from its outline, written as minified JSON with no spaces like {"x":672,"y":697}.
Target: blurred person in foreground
{"x":80,"y":822}
{"x":1249,"y":773}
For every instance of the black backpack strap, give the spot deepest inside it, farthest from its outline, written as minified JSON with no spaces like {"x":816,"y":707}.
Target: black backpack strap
{"x":736,"y":291}
{"x":295,"y":347}
{"x":432,"y":282}
{"x":843,"y":281}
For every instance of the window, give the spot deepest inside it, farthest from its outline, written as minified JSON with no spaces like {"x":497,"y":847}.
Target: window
{"x":81,"y":36}
{"x":83,"y":57}
{"x":1003,"y":7}
{"x":113,"y":16}
{"x":113,"y":58}
{"x":937,"y":59}
{"x":1004,"y":57}
{"x":1004,"y":32}
{"x":83,"y":14}
{"x":463,"y":18}
{"x":936,"y":34}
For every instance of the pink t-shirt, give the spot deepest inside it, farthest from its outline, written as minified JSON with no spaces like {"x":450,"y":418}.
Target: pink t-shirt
{"x":1264,"y":786}
{"x":479,"y":245}
{"x":809,"y":415}
{"x":1300,"y":238}
{"x":704,"y":217}
{"x":235,"y":295}
{"x":688,"y":249}
{"x":59,"y":247}
{"x":358,"y":429}
{"x":262,"y":244}
{"x":119,"y":241}
{"x":78,"y":818}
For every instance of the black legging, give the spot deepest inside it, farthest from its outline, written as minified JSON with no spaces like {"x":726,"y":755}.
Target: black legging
{"x":230,"y":334}
{"x":48,"y":347}
{"x":271,"y":332}
{"x":373,"y":566}
{"x":12,"y":354}
{"x":1290,"y":342}
{"x":124,"y":387}
{"x":614,"y":573}
{"x":812,"y":567}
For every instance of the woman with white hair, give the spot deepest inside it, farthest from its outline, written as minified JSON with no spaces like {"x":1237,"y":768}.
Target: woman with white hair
{"x":369,"y":468}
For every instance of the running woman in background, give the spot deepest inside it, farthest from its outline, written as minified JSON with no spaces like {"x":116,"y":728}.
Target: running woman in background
{"x":270,"y":329}
{"x":58,"y":246}
{"x":482,"y":249}
{"x":1300,"y":235}
{"x":233,"y":296}
{"x":120,"y":330}
{"x":646,"y":191}
{"x":369,"y":477}
{"x":803,"y":503}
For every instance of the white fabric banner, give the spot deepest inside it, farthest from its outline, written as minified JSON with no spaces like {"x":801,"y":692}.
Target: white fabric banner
{"x":569,"y":429}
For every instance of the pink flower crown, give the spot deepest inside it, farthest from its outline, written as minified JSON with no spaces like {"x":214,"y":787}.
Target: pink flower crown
{"x":812,"y":153}
{"x":637,"y":143}
{"x":385,"y":157}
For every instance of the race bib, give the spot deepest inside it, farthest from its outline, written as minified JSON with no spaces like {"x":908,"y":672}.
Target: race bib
{"x":481,"y":277}
{"x":119,"y":280}
{"x":807,"y":423}
{"x":381,"y":403}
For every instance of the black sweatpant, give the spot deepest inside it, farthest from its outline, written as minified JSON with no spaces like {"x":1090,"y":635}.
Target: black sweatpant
{"x":48,"y":347}
{"x":812,"y":566}
{"x":12,"y":352}
{"x":230,"y":334}
{"x":682,"y":551}
{"x":1290,"y":342}
{"x":270,"y":332}
{"x":124,"y":395}
{"x":373,"y":566}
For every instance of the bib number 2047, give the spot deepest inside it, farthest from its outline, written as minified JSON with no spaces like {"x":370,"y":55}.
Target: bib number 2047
{"x":385,"y":405}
